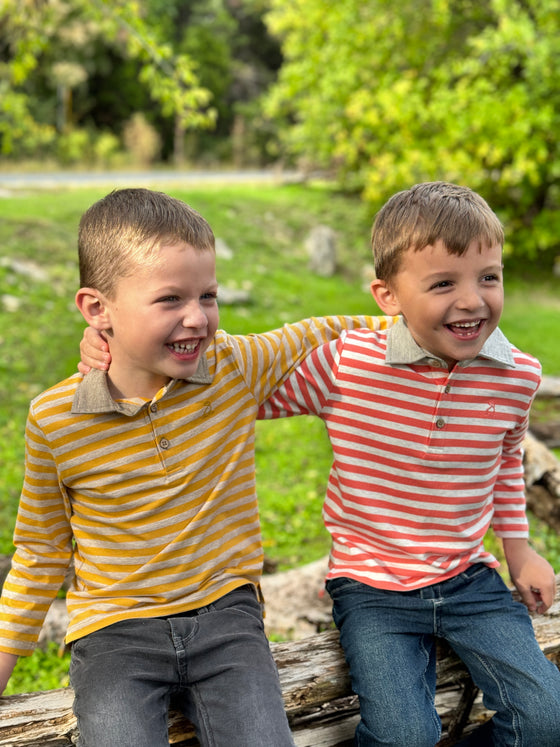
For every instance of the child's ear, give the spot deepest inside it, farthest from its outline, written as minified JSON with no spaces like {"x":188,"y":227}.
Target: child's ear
{"x":93,"y":307}
{"x":385,"y":297}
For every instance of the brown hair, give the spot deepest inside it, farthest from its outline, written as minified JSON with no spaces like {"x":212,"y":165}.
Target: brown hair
{"x":426,"y":213}
{"x":127,"y":227}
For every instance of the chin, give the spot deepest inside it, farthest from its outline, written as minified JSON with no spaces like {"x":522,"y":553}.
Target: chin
{"x":185,"y":371}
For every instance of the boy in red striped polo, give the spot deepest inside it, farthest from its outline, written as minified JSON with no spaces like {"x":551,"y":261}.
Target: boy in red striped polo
{"x":426,"y":421}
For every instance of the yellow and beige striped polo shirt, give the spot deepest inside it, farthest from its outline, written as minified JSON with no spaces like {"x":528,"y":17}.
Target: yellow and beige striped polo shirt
{"x":154,"y":501}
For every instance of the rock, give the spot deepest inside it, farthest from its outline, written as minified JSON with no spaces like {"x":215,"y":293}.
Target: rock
{"x":26,"y":268}
{"x":233,"y":296}
{"x":296,"y":602}
{"x":549,"y":388}
{"x":223,"y":251}
{"x":321,"y":246}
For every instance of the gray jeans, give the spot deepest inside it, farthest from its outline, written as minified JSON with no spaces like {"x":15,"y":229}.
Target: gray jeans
{"x":212,"y":664}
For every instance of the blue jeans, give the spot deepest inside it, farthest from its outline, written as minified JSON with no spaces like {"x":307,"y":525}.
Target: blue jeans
{"x":389,"y":642}
{"x":213,"y":664}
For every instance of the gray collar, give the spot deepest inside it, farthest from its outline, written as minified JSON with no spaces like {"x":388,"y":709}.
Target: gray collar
{"x":402,"y":349}
{"x":93,"y":396}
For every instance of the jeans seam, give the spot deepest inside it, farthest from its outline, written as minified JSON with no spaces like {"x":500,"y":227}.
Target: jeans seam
{"x":507,"y":705}
{"x":207,"y":737}
{"x":434,"y":715}
{"x":180,"y":647}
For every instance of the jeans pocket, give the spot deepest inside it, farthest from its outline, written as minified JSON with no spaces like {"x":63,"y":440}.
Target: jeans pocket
{"x":336,"y":587}
{"x":241,"y":601}
{"x":476,"y":570}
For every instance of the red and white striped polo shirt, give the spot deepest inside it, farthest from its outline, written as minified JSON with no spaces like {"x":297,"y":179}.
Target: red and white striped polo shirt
{"x":425,"y":458}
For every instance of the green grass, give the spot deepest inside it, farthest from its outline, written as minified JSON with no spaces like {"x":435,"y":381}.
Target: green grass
{"x":266,"y":228}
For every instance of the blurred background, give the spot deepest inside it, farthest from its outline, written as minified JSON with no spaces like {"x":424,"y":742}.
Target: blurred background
{"x":374,"y":95}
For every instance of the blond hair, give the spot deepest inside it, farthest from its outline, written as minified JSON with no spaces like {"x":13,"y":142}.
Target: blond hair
{"x":426,"y":213}
{"x":125,"y":230}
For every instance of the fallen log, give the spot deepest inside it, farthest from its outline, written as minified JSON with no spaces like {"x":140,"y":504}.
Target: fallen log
{"x":542,"y":481}
{"x":545,"y":413}
{"x":320,"y":705}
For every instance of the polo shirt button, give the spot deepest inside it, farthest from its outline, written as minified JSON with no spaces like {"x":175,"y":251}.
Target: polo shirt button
{"x":164,"y":443}
{"x":440,"y":422}
{"x":153,"y":407}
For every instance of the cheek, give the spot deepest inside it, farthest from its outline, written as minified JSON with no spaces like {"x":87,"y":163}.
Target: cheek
{"x":141,"y":328}
{"x":213,"y":320}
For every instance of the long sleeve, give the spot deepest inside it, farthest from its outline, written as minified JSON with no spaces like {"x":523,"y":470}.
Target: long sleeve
{"x":270,"y":357}
{"x":43,"y":544}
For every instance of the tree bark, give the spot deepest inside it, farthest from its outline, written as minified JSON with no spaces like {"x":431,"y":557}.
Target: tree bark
{"x":321,"y":708}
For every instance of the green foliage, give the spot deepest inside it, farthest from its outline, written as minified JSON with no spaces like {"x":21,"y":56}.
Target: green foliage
{"x":72,"y":147}
{"x":44,"y":670}
{"x":19,"y":131}
{"x":88,"y":67}
{"x":141,"y":140}
{"x":291,"y":502}
{"x":386,"y":95}
{"x":52,"y":50}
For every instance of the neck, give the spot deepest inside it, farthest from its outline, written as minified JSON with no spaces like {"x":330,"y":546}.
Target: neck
{"x":128,"y":388}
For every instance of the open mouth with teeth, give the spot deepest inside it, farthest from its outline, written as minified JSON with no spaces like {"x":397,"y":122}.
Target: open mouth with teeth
{"x":466,"y":330}
{"x":184,"y":348}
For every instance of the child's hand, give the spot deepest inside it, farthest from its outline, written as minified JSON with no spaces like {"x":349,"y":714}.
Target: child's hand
{"x":7,"y":664}
{"x":94,"y":352}
{"x":532,"y":575}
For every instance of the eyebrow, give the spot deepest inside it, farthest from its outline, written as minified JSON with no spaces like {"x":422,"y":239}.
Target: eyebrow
{"x":179,"y":290}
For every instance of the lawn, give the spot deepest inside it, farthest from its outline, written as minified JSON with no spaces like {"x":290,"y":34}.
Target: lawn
{"x":265,"y":227}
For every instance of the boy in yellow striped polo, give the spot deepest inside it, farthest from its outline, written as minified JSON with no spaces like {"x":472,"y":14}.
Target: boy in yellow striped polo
{"x":145,"y":478}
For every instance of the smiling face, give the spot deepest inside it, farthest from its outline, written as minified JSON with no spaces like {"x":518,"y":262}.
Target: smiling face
{"x":161,"y":320}
{"x":451,"y":303}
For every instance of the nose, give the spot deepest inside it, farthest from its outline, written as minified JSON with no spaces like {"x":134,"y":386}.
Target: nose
{"x":194,"y":317}
{"x":470,"y":298}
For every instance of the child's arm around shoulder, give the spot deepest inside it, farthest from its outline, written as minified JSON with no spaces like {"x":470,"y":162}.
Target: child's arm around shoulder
{"x":532,"y":575}
{"x":7,"y":664}
{"x":316,"y":331}
{"x":94,"y":350}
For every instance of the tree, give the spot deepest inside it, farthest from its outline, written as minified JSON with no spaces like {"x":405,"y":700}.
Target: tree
{"x":54,"y":46}
{"x":386,"y":94}
{"x":77,"y":75}
{"x":235,"y":59}
{"x":18,"y":59}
